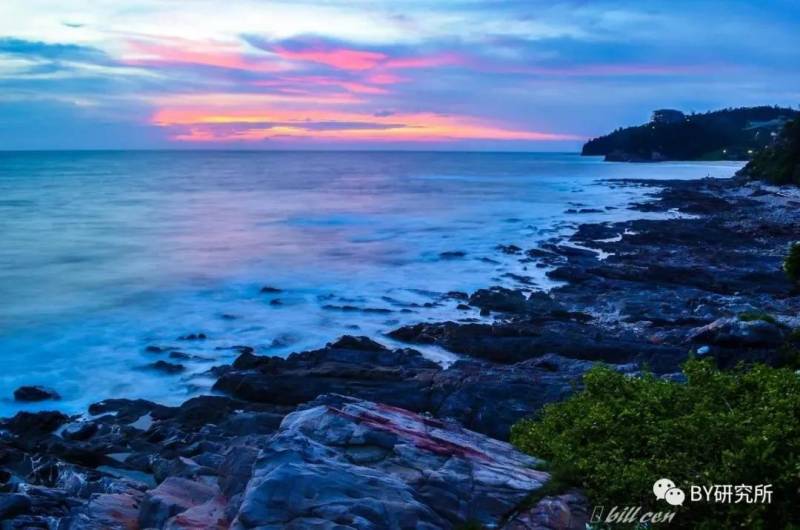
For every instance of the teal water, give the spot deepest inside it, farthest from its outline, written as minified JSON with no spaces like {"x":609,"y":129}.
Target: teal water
{"x":105,"y":253}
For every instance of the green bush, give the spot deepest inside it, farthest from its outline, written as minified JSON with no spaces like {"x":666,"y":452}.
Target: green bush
{"x":620,"y":434}
{"x":791,"y":263}
{"x":751,"y":316}
{"x":778,"y":163}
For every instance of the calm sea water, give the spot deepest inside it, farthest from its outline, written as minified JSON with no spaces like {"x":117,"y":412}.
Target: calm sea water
{"x":105,"y":253}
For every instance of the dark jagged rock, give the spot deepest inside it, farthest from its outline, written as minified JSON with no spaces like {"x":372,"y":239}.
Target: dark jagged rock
{"x":482,"y":396}
{"x":166,"y":367}
{"x":193,"y":336}
{"x":172,"y":497}
{"x":35,"y":393}
{"x":353,"y":366}
{"x":32,"y":424}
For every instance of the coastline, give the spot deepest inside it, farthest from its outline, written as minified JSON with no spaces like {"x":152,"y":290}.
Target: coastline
{"x":664,"y":288}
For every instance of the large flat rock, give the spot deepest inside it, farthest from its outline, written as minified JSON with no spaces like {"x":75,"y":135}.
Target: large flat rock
{"x":348,"y":463}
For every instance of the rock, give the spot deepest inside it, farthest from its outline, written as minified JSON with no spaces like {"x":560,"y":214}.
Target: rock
{"x":171,"y":497}
{"x":268,"y":289}
{"x":457,"y":295}
{"x":351,"y":365}
{"x":509,"y":249}
{"x":193,"y":336}
{"x":35,"y":393}
{"x":511,"y":301}
{"x":349,"y":342}
{"x":732,"y":332}
{"x":490,"y":398}
{"x":207,"y":516}
{"x":79,"y":431}
{"x":499,"y":299}
{"x":364,"y":465}
{"x":33,"y":424}
{"x":516,"y":341}
{"x":112,"y":511}
{"x":166,"y":367}
{"x":452,"y":254}
{"x":13,"y":504}
{"x":563,"y":512}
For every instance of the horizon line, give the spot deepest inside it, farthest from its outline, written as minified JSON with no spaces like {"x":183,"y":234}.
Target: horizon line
{"x":218,"y":150}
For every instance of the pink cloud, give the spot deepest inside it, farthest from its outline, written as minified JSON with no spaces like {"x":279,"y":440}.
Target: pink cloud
{"x":384,"y":79}
{"x":430,"y":61}
{"x":340,"y":58}
{"x":300,"y":82}
{"x":196,"y":124}
{"x":178,"y":51}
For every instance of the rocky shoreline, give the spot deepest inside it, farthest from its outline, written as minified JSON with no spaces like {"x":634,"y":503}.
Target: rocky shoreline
{"x":357,"y":435}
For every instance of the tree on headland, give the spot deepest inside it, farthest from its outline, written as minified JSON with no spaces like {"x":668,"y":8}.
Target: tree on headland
{"x":778,"y":163}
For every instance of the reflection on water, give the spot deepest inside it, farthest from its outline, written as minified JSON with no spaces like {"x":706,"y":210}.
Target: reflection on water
{"x":106,"y":253}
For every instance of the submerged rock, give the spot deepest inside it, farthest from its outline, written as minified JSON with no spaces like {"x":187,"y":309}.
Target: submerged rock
{"x":35,"y":393}
{"x":166,"y":367}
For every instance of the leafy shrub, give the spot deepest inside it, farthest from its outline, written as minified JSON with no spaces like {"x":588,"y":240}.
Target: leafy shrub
{"x":750,"y":316}
{"x":620,"y":434}
{"x":791,"y":263}
{"x":778,"y":163}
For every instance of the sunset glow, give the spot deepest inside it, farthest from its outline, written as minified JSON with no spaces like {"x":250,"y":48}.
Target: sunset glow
{"x":540,"y":76}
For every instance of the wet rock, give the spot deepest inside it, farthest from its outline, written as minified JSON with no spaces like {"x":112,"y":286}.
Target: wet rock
{"x":166,"y":367}
{"x":356,"y":366}
{"x":35,"y":393}
{"x":563,"y":512}
{"x":80,"y":431}
{"x":499,"y":299}
{"x":33,"y":424}
{"x":211,"y":515}
{"x":193,"y":336}
{"x":171,"y":497}
{"x":112,"y":511}
{"x":350,"y":342}
{"x":509,"y":249}
{"x":12,"y":504}
{"x":366,"y":465}
{"x":510,"y":342}
{"x":490,"y":398}
{"x":733,"y":332}
{"x":512,"y":301}
{"x":268,"y":289}
{"x":452,"y":254}
{"x":457,"y":295}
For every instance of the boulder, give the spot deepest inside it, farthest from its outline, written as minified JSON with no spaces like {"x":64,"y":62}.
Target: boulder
{"x":33,"y":424}
{"x":363,"y":465}
{"x":171,"y":497}
{"x":563,"y":512}
{"x":35,"y":393}
{"x":734,"y":332}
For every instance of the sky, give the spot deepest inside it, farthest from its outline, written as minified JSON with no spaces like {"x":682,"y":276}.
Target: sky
{"x":356,"y":74}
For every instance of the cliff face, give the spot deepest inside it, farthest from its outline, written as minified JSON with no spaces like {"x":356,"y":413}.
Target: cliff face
{"x":730,"y":134}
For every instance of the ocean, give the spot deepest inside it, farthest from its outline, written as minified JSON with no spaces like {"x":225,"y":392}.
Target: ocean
{"x":106,"y":253}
